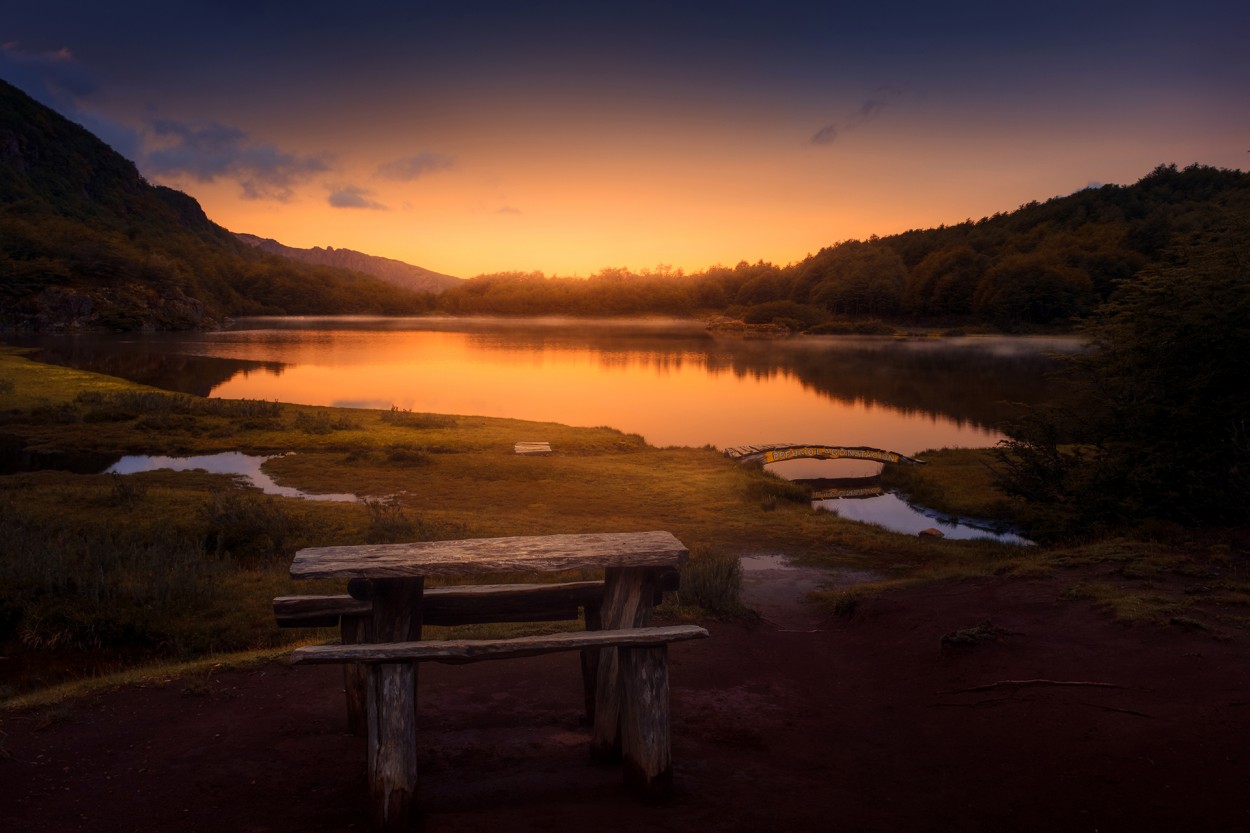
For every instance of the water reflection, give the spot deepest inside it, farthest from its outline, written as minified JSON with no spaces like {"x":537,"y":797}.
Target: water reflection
{"x":233,"y":462}
{"x":897,"y":515}
{"x":672,"y":382}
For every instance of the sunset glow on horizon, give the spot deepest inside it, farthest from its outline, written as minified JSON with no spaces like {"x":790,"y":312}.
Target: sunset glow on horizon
{"x":566,"y":138}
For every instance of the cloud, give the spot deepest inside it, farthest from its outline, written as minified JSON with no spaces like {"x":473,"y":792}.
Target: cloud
{"x":508,"y":209}
{"x":882,"y":99}
{"x":213,"y":151}
{"x":418,"y":165}
{"x":350,"y":196}
{"x":58,"y":80}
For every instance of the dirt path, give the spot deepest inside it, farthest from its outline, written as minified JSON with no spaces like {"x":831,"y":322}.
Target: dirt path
{"x":867,"y":724}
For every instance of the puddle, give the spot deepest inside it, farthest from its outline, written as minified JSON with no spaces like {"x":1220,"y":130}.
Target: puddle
{"x":230,"y":462}
{"x":777,"y":589}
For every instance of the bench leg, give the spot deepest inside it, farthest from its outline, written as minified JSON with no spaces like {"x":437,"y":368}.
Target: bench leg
{"x":590,"y":664}
{"x":392,"y":746}
{"x":354,"y":630}
{"x":627,"y":600}
{"x":645,"y":742}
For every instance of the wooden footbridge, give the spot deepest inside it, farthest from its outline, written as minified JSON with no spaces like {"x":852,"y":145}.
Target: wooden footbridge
{"x":766,"y":454}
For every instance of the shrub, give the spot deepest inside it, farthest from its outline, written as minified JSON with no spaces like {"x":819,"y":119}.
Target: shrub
{"x":407,"y":419}
{"x":712,"y":580}
{"x":246,"y":526}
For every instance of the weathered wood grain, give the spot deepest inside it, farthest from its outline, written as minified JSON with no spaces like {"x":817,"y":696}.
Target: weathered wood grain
{"x":532,"y":448}
{"x":645,"y":740}
{"x":627,"y":603}
{"x":356,"y":629}
{"x":392,"y":747}
{"x":392,"y":707}
{"x":477,"y":650}
{"x":531,"y":553}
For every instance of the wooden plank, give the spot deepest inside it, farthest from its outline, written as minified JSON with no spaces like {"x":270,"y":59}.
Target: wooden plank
{"x":317,"y":611}
{"x":455,"y":605}
{"x":477,"y":650}
{"x":645,"y":734}
{"x":532,"y":553}
{"x":532,"y":448}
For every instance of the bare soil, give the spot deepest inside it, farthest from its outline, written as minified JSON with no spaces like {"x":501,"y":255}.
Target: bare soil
{"x":1064,"y":721}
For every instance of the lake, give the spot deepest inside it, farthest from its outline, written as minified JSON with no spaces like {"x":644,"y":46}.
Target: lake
{"x":672,"y":382}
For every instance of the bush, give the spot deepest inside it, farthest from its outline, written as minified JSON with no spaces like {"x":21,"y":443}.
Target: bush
{"x":712,"y":580}
{"x":407,"y":419}
{"x":247,"y":526}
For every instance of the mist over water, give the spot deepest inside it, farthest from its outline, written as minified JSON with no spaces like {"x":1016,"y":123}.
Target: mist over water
{"x":671,"y":382}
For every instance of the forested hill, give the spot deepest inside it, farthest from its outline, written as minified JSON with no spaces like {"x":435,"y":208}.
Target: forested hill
{"x":86,"y":242}
{"x":1036,"y":267}
{"x":416,"y":278}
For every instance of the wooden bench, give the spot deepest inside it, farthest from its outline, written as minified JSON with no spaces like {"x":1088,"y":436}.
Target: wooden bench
{"x":450,"y":606}
{"x":643,"y":668}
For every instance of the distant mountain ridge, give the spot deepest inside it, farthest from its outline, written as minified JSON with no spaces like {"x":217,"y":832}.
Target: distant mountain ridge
{"x":86,"y":243}
{"x":397,"y":272}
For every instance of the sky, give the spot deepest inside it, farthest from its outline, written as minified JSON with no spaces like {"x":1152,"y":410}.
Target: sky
{"x":569,"y":137}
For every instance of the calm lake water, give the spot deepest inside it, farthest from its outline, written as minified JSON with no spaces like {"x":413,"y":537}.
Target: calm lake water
{"x":671,"y":382}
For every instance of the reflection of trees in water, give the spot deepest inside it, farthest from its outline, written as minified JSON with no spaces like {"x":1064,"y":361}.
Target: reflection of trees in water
{"x":968,"y":381}
{"x":148,"y":363}
{"x":964,"y":383}
{"x":978,"y":381}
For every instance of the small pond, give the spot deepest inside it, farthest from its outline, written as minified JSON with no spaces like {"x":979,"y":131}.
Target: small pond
{"x":892,"y":512}
{"x":247,"y":466}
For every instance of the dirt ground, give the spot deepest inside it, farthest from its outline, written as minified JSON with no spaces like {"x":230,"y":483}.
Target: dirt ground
{"x":1069,"y":722}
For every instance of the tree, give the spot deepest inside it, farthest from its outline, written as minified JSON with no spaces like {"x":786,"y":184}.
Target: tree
{"x":1158,"y":424}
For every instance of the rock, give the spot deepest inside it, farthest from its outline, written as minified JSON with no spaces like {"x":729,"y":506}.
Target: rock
{"x":931,"y":532}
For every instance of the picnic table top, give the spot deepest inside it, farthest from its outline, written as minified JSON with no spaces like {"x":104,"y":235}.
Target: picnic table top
{"x":522,"y":553}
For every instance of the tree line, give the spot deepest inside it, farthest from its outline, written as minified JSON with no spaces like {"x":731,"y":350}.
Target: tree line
{"x":1039,"y":266}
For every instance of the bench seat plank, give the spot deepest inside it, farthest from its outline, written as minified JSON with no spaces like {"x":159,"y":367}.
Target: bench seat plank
{"x":454,"y":605}
{"x":476,"y":650}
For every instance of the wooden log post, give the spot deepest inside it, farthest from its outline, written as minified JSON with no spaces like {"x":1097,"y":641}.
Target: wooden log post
{"x":590,"y":663}
{"x":353,"y":630}
{"x":392,"y":705}
{"x":645,"y":734}
{"x":627,"y":603}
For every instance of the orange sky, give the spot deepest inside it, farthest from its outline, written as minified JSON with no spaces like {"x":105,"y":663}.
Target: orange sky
{"x":569,"y":137}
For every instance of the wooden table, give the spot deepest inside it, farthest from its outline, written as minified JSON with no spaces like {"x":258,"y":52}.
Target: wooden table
{"x":392,"y":577}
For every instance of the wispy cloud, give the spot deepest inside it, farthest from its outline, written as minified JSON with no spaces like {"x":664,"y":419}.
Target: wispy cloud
{"x":351,"y":196}
{"x":508,"y":209}
{"x":213,"y":151}
{"x":58,"y":80}
{"x":416,"y":166}
{"x":882,"y":99}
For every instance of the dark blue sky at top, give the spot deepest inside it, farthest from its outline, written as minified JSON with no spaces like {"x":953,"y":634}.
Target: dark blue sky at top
{"x":225,"y":44}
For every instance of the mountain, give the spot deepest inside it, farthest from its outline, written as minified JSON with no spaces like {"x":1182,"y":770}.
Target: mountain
{"x":87,"y":243}
{"x":395,"y":272}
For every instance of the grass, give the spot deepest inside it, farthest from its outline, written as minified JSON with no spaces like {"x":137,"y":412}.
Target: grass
{"x":170,"y":566}
{"x":957,"y":481}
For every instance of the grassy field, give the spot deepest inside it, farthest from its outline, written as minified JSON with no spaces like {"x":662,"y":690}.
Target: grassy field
{"x":173,"y":566}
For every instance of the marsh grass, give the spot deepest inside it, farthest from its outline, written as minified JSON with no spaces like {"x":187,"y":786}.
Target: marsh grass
{"x":407,"y":419}
{"x":712,"y":581}
{"x":322,"y":421}
{"x":956,"y":481}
